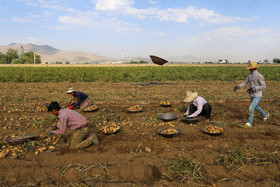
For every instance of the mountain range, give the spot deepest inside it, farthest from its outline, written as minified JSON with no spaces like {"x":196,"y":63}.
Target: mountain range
{"x":52,"y":55}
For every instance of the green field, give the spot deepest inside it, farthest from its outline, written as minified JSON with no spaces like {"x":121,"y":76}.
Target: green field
{"x":132,"y":74}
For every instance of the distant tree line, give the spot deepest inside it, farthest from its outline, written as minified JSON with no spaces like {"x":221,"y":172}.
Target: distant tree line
{"x":12,"y":57}
{"x":276,"y":60}
{"x":136,"y":62}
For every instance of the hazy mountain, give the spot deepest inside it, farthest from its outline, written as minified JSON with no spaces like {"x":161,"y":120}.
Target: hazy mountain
{"x":53,"y":55}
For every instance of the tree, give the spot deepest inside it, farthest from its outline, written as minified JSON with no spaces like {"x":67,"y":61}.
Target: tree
{"x":28,"y":58}
{"x":10,"y":55}
{"x":3,"y":58}
{"x":276,"y":60}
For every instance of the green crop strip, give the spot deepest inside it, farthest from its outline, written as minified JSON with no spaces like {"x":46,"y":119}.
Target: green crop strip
{"x":131,"y":74}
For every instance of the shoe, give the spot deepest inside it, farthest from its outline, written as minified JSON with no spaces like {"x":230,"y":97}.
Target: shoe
{"x":248,"y":124}
{"x":94,"y":139}
{"x":207,"y":120}
{"x":264,"y":119}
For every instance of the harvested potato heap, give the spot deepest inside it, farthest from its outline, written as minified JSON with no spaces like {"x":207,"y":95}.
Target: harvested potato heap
{"x":90,"y":108}
{"x":170,"y":131}
{"x":213,"y":129}
{"x":110,"y":128}
{"x":165,"y":102}
{"x":45,"y":144}
{"x":135,"y":108}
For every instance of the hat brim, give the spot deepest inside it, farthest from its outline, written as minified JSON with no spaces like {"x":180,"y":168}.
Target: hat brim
{"x":68,"y":92}
{"x":191,"y":97}
{"x":250,"y":67}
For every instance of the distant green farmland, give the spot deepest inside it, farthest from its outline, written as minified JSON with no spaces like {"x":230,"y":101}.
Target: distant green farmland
{"x":132,"y":74}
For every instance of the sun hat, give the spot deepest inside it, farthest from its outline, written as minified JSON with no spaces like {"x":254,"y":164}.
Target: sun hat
{"x":252,"y":65}
{"x":190,"y":96}
{"x":70,"y":90}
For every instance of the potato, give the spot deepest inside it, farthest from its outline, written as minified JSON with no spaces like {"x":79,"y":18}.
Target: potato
{"x":3,"y":155}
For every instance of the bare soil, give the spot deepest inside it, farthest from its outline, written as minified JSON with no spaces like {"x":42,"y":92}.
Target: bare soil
{"x":137,"y":155}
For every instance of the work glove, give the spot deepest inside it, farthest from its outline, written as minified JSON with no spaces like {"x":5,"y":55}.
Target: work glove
{"x":235,"y":88}
{"x":70,"y":106}
{"x":252,"y":90}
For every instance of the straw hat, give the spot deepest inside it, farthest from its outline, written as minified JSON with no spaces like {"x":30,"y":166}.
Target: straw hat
{"x":70,"y":90}
{"x":252,"y":65}
{"x":190,"y":96}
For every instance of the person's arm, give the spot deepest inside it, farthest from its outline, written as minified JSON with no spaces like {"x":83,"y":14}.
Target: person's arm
{"x":62,"y":127}
{"x":244,"y":83}
{"x":79,"y":100}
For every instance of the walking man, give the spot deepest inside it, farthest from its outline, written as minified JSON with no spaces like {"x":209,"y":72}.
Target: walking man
{"x":256,"y":85}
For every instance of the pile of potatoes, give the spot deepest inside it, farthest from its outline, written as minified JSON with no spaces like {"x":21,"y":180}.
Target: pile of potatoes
{"x":90,"y":108}
{"x":169,"y":131}
{"x":213,"y":129}
{"x":135,"y":108}
{"x":111,"y":128}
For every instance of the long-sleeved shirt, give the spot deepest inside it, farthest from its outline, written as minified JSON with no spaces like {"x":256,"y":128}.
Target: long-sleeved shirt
{"x":199,"y":102}
{"x":80,"y":98}
{"x":71,"y":119}
{"x":255,"y":79}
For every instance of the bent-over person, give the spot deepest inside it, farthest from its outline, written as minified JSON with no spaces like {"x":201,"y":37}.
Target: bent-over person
{"x":198,"y":106}
{"x":80,"y":99}
{"x":76,"y":122}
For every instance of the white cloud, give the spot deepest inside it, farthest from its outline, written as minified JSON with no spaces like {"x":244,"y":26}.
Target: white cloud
{"x":111,"y":5}
{"x":158,"y":33}
{"x":181,"y":15}
{"x":153,"y":2}
{"x":73,"y":20}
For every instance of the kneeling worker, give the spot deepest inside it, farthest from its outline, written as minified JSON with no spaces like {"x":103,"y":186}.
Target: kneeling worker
{"x":80,"y":99}
{"x":74,"y":121}
{"x":198,"y":106}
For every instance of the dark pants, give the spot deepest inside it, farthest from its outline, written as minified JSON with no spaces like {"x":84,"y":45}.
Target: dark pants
{"x":206,"y":110}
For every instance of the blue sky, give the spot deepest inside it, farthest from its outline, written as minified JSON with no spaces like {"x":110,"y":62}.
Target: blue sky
{"x":239,"y":30}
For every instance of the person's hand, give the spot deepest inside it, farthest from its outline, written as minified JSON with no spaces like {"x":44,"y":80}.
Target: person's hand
{"x":70,"y":106}
{"x":235,"y":88}
{"x":49,"y":132}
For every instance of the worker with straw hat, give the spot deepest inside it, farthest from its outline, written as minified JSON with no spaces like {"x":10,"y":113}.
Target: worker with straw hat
{"x":256,"y":85}
{"x":198,"y":106}
{"x":80,"y":99}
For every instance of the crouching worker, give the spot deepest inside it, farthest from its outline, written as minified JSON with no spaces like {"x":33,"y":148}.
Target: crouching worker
{"x":80,"y":99}
{"x":198,"y":106}
{"x":76,"y":122}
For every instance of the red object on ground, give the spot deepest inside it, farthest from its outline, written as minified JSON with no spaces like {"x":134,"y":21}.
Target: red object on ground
{"x":70,"y":106}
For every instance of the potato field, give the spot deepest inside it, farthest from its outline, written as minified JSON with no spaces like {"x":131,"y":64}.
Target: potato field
{"x":137,"y":155}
